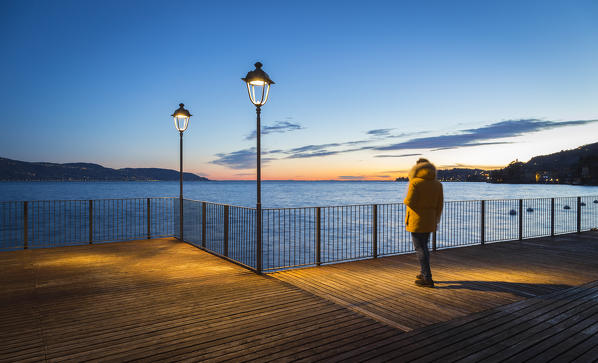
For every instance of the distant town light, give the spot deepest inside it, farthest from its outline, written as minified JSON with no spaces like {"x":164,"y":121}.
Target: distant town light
{"x":258,"y":85}
{"x":181,"y":118}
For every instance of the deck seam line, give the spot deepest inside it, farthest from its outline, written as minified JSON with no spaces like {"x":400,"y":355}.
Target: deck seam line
{"x":349,"y":306}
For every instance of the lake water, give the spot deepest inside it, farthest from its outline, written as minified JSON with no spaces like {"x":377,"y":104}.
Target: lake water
{"x":276,"y":194}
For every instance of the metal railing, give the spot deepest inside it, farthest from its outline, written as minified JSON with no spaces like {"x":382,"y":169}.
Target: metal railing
{"x":38,"y":224}
{"x":225,"y":230}
{"x":295,"y":237}
{"x":291,"y":237}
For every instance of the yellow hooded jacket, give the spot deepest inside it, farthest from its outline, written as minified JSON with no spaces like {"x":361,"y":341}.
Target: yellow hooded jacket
{"x":424,"y":199}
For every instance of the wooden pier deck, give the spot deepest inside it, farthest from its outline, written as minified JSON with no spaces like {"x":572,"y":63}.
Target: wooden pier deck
{"x":160,"y":299}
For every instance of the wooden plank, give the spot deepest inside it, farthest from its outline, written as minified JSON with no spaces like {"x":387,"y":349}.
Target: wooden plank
{"x":430,"y":344}
{"x":589,"y":355}
{"x":556,"y":350}
{"x":568,"y":325}
{"x":235,"y":346}
{"x":586,"y":341}
{"x":510,"y":327}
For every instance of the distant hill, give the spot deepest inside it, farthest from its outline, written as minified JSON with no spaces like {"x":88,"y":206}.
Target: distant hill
{"x":576,"y":166}
{"x":14,"y":170}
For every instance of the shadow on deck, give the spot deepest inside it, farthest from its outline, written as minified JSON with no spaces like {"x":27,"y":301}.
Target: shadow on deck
{"x":165,"y":300}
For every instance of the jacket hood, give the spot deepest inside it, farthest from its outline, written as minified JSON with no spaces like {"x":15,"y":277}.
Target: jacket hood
{"x":424,"y":170}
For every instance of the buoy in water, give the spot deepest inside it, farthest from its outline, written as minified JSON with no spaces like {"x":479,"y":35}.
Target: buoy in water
{"x":530,"y":209}
{"x":566,"y":207}
{"x":596,"y":201}
{"x":582,"y":204}
{"x":512,"y":212}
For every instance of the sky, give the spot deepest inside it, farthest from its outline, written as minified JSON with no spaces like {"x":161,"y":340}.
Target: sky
{"x":363,"y":89}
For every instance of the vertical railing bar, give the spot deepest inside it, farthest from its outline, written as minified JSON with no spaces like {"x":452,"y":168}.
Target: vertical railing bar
{"x":551,"y":217}
{"x":343,"y":229}
{"x":90,"y":222}
{"x":294,"y":213}
{"x":578,"y":214}
{"x":375,"y":231}
{"x":119,"y":221}
{"x":46,"y":217}
{"x":25,"y":225}
{"x":258,"y":215}
{"x":483,"y":222}
{"x":149,"y":219}
{"x":287,"y":229}
{"x":63,"y":223}
{"x":225,"y":237}
{"x":53,"y":219}
{"x":318,"y":237}
{"x":33,"y":220}
{"x":203,"y":224}
{"x":520,"y":219}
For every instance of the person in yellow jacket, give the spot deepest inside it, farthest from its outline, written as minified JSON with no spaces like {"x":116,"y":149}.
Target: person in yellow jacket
{"x":424,"y":203}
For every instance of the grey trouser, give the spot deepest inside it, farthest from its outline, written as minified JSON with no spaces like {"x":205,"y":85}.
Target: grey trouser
{"x":420,"y":243}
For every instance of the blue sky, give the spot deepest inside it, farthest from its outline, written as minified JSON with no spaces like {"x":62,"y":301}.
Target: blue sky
{"x":362,"y":89}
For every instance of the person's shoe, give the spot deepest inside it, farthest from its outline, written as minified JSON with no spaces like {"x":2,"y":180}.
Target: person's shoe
{"x":425,"y":283}
{"x":419,"y":277}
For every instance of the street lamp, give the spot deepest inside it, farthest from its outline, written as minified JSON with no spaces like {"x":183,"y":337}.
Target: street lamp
{"x":258,"y":86}
{"x":181,"y":121}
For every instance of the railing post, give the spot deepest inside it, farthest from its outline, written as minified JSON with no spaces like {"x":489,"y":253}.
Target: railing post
{"x":25,"y":225}
{"x":434,"y":241}
{"x":149,"y":219}
{"x":578,"y":214}
{"x":551,"y":217}
{"x":375,"y":230}
{"x":318,"y":236}
{"x":258,"y":239}
{"x":520,"y":219}
{"x":90,"y":221}
{"x":181,"y":220}
{"x":203,"y":224}
{"x":225,"y":241}
{"x":483,"y":222}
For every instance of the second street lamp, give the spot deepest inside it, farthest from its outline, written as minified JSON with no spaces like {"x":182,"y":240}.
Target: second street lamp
{"x":258,"y":86}
{"x":181,"y":120}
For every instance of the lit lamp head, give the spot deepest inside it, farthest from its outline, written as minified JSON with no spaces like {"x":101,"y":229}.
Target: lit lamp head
{"x":181,"y":118}
{"x":258,"y":85}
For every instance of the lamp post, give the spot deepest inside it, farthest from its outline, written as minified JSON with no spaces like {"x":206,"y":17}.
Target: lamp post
{"x":181,"y":121}
{"x":258,"y":86}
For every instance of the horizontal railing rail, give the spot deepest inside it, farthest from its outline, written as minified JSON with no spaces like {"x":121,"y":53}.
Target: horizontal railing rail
{"x":291,"y":237}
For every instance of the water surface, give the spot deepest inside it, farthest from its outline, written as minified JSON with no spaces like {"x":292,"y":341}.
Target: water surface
{"x":280,"y":193}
